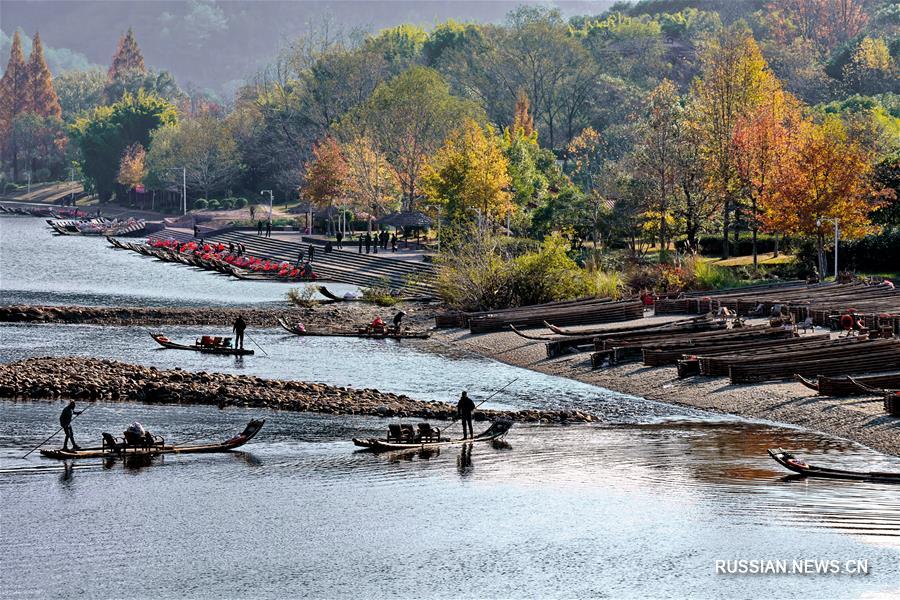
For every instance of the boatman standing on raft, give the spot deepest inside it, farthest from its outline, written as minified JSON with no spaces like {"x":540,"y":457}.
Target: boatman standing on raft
{"x":65,"y":420}
{"x":464,"y":408}
{"x":239,"y":326}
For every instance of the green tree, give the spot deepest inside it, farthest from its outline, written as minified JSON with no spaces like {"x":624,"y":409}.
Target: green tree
{"x":105,"y":132}
{"x":14,"y":102}
{"x":79,"y":92}
{"x":409,"y":117}
{"x":203,"y":146}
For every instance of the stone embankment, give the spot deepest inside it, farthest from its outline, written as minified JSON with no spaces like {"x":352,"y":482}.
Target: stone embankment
{"x":90,"y":379}
{"x":341,"y":314}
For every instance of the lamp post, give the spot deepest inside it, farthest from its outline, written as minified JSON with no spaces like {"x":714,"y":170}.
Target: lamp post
{"x":28,"y":173}
{"x":819,"y":222}
{"x":269,"y":192}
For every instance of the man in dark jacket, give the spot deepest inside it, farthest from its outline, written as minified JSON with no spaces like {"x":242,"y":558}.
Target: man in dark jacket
{"x":339,"y":236}
{"x":368,"y":242}
{"x":238,"y":328}
{"x":464,"y":409}
{"x":65,"y":420}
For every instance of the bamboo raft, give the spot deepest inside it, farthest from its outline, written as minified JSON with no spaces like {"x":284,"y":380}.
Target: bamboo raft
{"x":99,"y":226}
{"x":586,"y":312}
{"x":852,"y":385}
{"x":360,"y":332}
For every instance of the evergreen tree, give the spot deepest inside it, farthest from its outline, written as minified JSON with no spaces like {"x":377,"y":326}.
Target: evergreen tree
{"x":14,"y":100}
{"x":40,"y":83}
{"x":128,"y":58}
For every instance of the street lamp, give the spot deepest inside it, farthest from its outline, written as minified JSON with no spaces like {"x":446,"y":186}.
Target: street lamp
{"x":269,"y":192}
{"x":819,"y":222}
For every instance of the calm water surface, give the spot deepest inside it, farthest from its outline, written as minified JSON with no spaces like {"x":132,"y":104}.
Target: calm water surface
{"x":37,"y":267}
{"x":641,"y":506}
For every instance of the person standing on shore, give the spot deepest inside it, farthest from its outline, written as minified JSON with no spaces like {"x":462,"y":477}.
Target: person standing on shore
{"x":65,"y":420}
{"x":464,"y":409}
{"x":238,"y":328}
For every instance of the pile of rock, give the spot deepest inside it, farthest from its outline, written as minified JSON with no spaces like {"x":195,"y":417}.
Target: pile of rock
{"x":106,"y":380}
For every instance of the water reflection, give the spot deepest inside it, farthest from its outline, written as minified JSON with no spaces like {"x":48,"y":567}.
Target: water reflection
{"x":562,"y":504}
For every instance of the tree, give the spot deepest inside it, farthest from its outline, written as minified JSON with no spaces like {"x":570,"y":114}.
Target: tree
{"x":870,"y":69}
{"x":827,"y":177}
{"x":127,"y":58}
{"x":734,"y":79}
{"x":42,"y":145}
{"x":44,"y":101}
{"x":656,"y":155}
{"x":697,"y":202}
{"x":103,"y":134}
{"x":372,"y":182}
{"x":469,"y":175}
{"x":828,"y":23}
{"x":408,"y":117}
{"x":522,"y":120}
{"x":760,"y":141}
{"x":132,"y":166}
{"x":203,"y":147}
{"x":14,"y":101}
{"x":327,"y":174}
{"x":79,"y":92}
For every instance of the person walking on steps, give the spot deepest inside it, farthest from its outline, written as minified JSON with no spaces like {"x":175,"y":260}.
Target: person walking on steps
{"x":65,"y":420}
{"x":464,"y":409}
{"x":238,"y":328}
{"x":300,"y":257}
{"x":259,"y":226}
{"x":340,"y":239}
{"x":368,"y":242}
{"x":360,"y":244}
{"x":268,"y":229}
{"x":312,"y":253}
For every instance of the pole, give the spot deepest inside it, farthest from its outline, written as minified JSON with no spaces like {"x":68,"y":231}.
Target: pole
{"x":55,"y":432}
{"x":184,"y":190}
{"x":836,"y":250}
{"x":257,"y":345}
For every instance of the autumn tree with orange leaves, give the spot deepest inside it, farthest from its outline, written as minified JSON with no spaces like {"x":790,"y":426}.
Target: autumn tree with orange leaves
{"x":761,"y":140}
{"x":825,"y":177}
{"x":327,"y":174}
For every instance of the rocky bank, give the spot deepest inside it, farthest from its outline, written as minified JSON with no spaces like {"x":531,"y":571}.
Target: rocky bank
{"x":92,"y":379}
{"x":341,"y":314}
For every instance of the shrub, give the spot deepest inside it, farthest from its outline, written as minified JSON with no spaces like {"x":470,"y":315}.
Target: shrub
{"x":380,"y":294}
{"x":240,"y":202}
{"x":548,"y":274}
{"x":227,"y":203}
{"x":200,"y":204}
{"x":607,"y":284}
{"x":213,"y":204}
{"x":304,"y":297}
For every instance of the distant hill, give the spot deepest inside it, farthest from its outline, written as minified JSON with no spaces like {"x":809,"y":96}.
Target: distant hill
{"x":216,"y":44}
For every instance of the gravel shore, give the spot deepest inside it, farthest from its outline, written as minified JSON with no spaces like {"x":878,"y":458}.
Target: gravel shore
{"x":91,"y":379}
{"x":861,"y":419}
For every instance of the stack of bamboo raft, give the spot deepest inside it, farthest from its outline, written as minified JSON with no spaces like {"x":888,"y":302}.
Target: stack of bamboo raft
{"x":576,"y":312}
{"x":877,"y":306}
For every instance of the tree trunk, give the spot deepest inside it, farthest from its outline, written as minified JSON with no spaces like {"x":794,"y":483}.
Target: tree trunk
{"x":726,"y":214}
{"x":820,"y":242}
{"x":777,"y":239}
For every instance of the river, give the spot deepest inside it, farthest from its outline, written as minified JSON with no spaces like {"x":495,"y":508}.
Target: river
{"x":641,"y":505}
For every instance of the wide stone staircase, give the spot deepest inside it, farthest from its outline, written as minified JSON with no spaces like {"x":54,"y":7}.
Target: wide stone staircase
{"x":341,"y":266}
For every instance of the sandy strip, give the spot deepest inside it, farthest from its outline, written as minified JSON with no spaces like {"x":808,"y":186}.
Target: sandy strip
{"x":861,"y":419}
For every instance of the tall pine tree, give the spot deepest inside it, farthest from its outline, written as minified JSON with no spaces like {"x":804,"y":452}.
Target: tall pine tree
{"x":44,"y":100}
{"x":128,"y":58}
{"x":14,"y":101}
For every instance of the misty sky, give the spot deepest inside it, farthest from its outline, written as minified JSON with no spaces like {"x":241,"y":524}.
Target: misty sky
{"x":217,"y":44}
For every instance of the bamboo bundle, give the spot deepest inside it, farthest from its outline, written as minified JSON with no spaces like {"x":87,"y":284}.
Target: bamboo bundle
{"x":669,"y":354}
{"x":700,"y":363}
{"x":865,"y":357}
{"x":461,"y":318}
{"x":580,"y":313}
{"x":713,"y":364}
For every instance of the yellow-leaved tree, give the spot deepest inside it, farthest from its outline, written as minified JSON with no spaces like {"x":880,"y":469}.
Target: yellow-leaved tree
{"x":469,"y":175}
